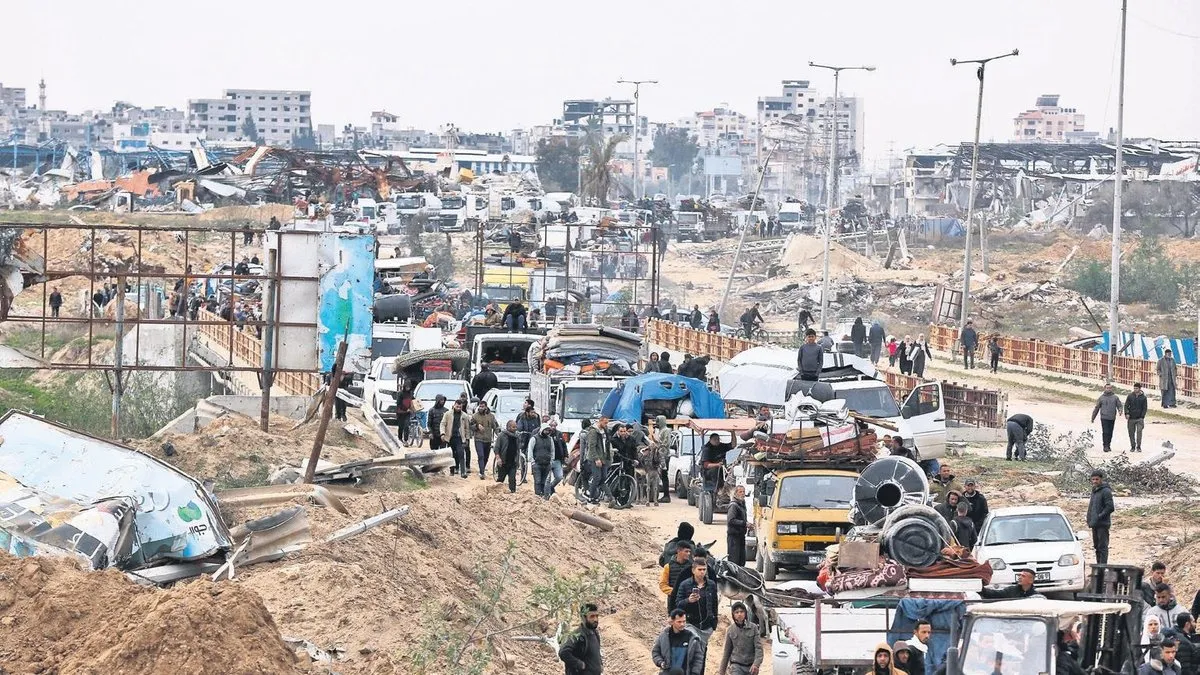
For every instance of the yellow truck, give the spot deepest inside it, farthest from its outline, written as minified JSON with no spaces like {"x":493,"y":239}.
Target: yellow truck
{"x":800,"y":509}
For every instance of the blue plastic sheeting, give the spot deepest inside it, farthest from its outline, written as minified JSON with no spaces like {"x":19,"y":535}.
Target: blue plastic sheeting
{"x":941,"y":615}
{"x":625,"y":402}
{"x":943,"y":227}
{"x":1151,"y":348}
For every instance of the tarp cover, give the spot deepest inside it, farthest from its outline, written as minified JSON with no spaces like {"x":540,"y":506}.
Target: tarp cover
{"x":755,"y":384}
{"x":625,"y":402}
{"x":1151,"y":348}
{"x":37,"y":524}
{"x":175,"y":518}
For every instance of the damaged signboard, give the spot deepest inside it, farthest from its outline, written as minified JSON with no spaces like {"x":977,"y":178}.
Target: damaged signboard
{"x":61,"y":489}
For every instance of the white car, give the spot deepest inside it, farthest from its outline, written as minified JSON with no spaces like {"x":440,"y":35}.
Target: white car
{"x":1038,"y":538}
{"x":505,"y":404}
{"x":427,"y":392}
{"x":379,"y":389}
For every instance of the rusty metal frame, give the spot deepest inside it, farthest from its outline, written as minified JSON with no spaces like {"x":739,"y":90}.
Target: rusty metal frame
{"x":133,"y":275}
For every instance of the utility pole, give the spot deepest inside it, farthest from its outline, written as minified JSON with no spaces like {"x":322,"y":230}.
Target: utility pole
{"x":637,"y":120}
{"x":831,"y":196}
{"x":1114,"y":293}
{"x":118,"y":384}
{"x":268,"y":342}
{"x":335,"y":379}
{"x":966,"y":292}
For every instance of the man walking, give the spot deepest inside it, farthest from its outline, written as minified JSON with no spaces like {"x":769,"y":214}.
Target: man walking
{"x":484,"y":381}
{"x":484,"y":429}
{"x":698,"y":597}
{"x":743,"y":652}
{"x":1166,"y":378}
{"x":1108,"y":407}
{"x":735,"y":527}
{"x":995,"y":351}
{"x":540,"y":454}
{"x":970,"y":342}
{"x":654,"y":457}
{"x":508,"y":455}
{"x":560,"y":458}
{"x":1135,"y":416}
{"x":599,"y":453}
{"x":580,"y":652}
{"x":1019,"y":427}
{"x":55,"y":302}
{"x":811,"y":358}
{"x":528,"y":425}
{"x":456,"y":429}
{"x":433,"y":420}
{"x":678,"y":648}
{"x":675,"y":570}
{"x":1099,"y":515}
{"x":876,"y":337}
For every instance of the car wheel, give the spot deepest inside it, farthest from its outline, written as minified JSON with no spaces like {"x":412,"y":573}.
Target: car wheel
{"x":691,"y":497}
{"x":770,"y":569}
{"x":680,"y":487}
{"x":751,"y":552}
{"x":758,"y":563}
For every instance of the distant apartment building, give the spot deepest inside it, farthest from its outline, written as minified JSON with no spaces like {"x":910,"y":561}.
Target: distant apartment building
{"x":720,"y":126}
{"x":1048,"y":122}
{"x":610,"y":117}
{"x":11,"y":97}
{"x":279,"y":115}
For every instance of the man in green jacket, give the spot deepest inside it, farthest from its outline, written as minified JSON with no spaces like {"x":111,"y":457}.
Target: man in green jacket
{"x":599,"y":455}
{"x":484,"y":428}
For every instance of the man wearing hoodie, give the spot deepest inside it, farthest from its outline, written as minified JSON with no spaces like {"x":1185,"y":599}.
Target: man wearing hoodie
{"x":900,"y":657}
{"x":540,"y":453}
{"x":883,"y":660}
{"x":580,"y":652}
{"x":1099,"y":515}
{"x":949,"y":508}
{"x":963,"y":527}
{"x":484,"y":428}
{"x":876,"y":337}
{"x":1135,"y":416}
{"x":978,"y":503}
{"x":664,"y":363}
{"x":1108,"y":407}
{"x":970,"y":343}
{"x":1182,"y":634}
{"x":684,"y":532}
{"x":858,"y":336}
{"x":743,"y":652}
{"x":1165,"y":607}
{"x":433,"y":420}
{"x":678,"y":647}
{"x":735,"y":527}
{"x":508,"y":454}
{"x":942,"y":484}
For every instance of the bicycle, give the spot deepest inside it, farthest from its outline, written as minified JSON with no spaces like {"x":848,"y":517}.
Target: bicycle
{"x":414,"y":438}
{"x":756,"y":332}
{"x":522,"y":466}
{"x":620,"y":485}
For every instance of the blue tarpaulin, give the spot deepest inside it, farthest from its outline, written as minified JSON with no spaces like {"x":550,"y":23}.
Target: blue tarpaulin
{"x":625,"y":402}
{"x":1151,"y":348}
{"x":943,"y":227}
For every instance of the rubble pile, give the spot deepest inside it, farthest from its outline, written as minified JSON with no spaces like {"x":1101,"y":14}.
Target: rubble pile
{"x":55,"y":617}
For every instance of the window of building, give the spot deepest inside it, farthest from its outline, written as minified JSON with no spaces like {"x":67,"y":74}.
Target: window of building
{"x":274,"y":98}
{"x":274,"y":119}
{"x":262,"y":119}
{"x":287,"y":98}
{"x":274,"y":109}
{"x":262,"y":98}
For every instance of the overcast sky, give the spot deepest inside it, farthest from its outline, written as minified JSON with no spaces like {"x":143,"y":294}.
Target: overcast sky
{"x":502,"y":64}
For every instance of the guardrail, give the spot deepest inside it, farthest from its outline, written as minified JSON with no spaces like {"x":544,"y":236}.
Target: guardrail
{"x":247,"y":349}
{"x":1085,"y":363}
{"x":965,"y":405}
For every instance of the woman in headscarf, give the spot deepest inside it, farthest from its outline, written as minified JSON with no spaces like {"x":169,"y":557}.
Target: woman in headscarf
{"x":1151,"y":635}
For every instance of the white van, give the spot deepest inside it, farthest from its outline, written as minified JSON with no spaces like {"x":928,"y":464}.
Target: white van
{"x":507,"y":355}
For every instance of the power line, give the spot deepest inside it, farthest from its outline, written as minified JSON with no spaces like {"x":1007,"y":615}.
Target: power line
{"x":1190,"y":36}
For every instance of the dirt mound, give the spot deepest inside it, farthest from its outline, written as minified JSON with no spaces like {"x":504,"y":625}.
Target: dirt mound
{"x":236,"y":453}
{"x":806,"y":256}
{"x":55,"y":617}
{"x":369,"y":595}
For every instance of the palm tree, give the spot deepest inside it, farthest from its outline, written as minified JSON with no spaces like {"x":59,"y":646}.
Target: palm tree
{"x":598,"y":173}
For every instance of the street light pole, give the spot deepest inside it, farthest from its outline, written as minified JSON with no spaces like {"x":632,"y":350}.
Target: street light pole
{"x":831,"y":188}
{"x":1114,"y":293}
{"x":966,"y":292}
{"x":637,"y":119}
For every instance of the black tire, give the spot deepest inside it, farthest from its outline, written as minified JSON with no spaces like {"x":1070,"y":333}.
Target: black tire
{"x":706,"y":508}
{"x":681,"y":490}
{"x":624,"y":490}
{"x":758,"y":563}
{"x":770,"y":570}
{"x":691,"y":497}
{"x":751,"y":552}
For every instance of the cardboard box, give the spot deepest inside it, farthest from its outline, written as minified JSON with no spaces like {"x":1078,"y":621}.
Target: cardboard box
{"x":859,"y":555}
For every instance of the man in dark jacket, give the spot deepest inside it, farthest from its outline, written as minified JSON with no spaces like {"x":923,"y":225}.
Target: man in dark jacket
{"x":970,"y":342}
{"x":876,"y":336}
{"x":1019,"y":427}
{"x":811,"y":358}
{"x":743,"y":653}
{"x":977,"y":502}
{"x":1150,"y":582}
{"x":541,"y":453}
{"x":696,"y":367}
{"x":678,"y":648}
{"x":696,"y":318}
{"x":515,"y":317}
{"x":514,"y":240}
{"x":1099,"y":515}
{"x":675,"y":571}
{"x":433,"y":420}
{"x":1183,"y":633}
{"x":735,"y":527}
{"x":858,"y":335}
{"x":484,"y":381}
{"x":508,"y":452}
{"x":1067,"y":662}
{"x":580,"y":652}
{"x":963,"y":527}
{"x":697,"y":596}
{"x":664,"y":363}
{"x":1135,"y":417}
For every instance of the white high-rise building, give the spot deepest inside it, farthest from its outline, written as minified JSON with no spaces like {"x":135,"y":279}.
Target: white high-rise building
{"x":279,"y":115}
